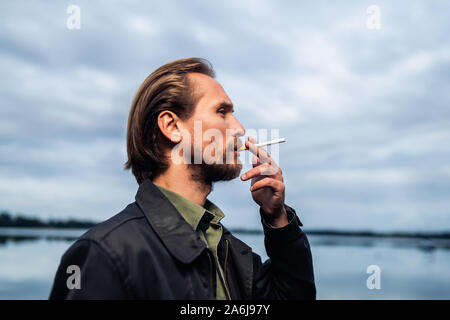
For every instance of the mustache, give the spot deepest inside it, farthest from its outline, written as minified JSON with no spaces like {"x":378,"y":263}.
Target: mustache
{"x":235,"y":144}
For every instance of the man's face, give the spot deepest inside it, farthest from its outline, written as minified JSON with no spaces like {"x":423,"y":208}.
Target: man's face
{"x":214,"y":131}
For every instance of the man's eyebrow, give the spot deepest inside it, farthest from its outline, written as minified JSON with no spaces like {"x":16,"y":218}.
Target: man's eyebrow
{"x":226,"y":105}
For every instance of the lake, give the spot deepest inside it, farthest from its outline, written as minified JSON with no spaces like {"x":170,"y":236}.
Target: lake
{"x":409,"y":268}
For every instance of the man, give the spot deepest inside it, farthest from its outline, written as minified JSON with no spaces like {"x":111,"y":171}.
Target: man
{"x":169,"y":243}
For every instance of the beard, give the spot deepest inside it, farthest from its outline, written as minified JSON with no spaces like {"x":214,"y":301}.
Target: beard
{"x":209,"y":173}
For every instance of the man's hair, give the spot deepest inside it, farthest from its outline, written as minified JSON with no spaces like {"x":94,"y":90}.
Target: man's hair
{"x":167,"y":88}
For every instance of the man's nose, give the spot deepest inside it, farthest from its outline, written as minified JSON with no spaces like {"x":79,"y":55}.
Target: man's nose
{"x":238,"y":129}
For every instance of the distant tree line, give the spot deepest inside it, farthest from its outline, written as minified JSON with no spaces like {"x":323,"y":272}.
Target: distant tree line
{"x":7,"y":220}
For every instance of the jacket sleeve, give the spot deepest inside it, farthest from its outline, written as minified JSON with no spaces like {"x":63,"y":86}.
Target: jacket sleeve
{"x":98,"y":274}
{"x":288,"y":273}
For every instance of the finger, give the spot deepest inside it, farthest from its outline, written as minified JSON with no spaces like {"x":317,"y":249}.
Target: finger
{"x":255,"y":161}
{"x":262,"y":169}
{"x":258,"y":151}
{"x":252,"y":140}
{"x":262,"y":154}
{"x":276,"y":185}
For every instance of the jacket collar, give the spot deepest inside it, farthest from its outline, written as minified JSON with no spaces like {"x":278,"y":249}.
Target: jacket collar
{"x":176,"y":234}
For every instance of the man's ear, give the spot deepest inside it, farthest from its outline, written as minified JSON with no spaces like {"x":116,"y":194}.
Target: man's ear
{"x":169,"y":125}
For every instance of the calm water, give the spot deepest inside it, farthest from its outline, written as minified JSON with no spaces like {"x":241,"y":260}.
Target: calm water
{"x":410,"y":268}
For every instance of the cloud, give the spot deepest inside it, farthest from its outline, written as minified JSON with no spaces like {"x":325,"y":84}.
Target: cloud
{"x":365,"y":112}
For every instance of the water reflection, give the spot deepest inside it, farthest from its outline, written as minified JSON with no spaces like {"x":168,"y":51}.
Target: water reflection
{"x":411,"y":268}
{"x":5,"y":239}
{"x":17,"y":235}
{"x":425,"y":244}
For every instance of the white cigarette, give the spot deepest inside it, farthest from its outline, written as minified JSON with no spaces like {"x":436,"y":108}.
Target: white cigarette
{"x":262,"y":144}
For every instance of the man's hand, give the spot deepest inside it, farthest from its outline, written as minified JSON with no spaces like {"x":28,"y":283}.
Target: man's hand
{"x":267,"y":185}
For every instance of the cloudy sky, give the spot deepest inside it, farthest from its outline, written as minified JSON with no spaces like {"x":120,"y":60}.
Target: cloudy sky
{"x":365,"y":110}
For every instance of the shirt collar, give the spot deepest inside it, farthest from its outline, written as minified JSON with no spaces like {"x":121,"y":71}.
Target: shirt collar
{"x":194,"y":214}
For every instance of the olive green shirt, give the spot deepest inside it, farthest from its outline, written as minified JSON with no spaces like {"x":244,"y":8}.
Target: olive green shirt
{"x":193,"y":214}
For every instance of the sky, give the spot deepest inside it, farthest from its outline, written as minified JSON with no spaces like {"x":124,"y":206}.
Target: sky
{"x":361,"y":94}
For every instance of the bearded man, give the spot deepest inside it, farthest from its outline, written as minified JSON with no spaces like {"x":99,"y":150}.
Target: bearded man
{"x":170,"y":243}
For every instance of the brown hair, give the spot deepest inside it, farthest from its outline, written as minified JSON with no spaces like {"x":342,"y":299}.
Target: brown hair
{"x":167,"y":88}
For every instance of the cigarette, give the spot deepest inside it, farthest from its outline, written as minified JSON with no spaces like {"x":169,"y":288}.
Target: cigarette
{"x":262,"y":144}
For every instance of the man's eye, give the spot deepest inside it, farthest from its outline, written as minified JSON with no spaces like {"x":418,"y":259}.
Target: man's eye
{"x":222,"y":111}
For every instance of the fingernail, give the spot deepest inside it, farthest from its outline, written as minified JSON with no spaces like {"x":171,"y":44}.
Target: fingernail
{"x":243,"y":176}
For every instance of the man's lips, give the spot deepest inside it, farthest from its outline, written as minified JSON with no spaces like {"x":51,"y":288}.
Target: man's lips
{"x":238,"y":145}
{"x":233,"y":147}
{"x":236,"y":148}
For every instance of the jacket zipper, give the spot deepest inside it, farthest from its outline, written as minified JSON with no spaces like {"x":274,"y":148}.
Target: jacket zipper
{"x":224,"y":281}
{"x":225,"y":271}
{"x":210,"y":268}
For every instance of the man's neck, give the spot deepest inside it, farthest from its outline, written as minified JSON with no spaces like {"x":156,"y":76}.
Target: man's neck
{"x":178,"y":179}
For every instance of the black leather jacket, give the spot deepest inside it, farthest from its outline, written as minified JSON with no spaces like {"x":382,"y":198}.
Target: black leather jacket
{"x":148,"y":251}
